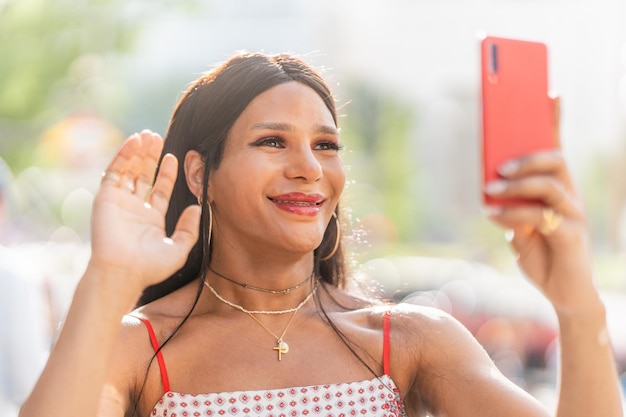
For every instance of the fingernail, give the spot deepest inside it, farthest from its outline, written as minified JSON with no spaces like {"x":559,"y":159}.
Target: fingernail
{"x":496,"y":187}
{"x":509,"y":168}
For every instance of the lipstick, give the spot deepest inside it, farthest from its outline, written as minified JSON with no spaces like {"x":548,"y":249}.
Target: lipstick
{"x":299,"y":203}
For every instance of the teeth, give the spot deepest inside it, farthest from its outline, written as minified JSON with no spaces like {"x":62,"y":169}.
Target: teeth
{"x":297,"y":203}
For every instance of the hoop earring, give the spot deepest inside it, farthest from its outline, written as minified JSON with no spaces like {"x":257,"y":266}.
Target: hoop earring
{"x":210,"y":223}
{"x":337,"y":240}
{"x":210,"y":217}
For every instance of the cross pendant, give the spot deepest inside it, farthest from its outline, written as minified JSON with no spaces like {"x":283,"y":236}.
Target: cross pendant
{"x":281,"y":347}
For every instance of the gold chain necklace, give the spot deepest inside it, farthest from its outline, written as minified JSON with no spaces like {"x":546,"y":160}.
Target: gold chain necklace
{"x":243,"y":309}
{"x":281,"y":346}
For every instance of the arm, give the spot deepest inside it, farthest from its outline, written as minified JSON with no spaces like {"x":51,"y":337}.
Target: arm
{"x":454,"y":375}
{"x":589,"y":379}
{"x":129,"y":252}
{"x":558,"y":261}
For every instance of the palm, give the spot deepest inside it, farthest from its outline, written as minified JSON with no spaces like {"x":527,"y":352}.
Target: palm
{"x":559,"y":264}
{"x":128,"y":226}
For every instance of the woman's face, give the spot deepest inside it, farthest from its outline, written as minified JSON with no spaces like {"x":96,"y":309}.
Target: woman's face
{"x":281,"y":177}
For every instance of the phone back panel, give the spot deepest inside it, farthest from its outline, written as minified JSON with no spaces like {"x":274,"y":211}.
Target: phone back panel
{"x":517,"y":113}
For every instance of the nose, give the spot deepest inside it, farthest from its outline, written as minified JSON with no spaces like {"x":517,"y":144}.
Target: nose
{"x":303,"y":163}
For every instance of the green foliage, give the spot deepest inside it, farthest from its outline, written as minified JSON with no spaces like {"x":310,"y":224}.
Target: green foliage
{"x":58,"y":57}
{"x":41,"y":40}
{"x":377,"y":134}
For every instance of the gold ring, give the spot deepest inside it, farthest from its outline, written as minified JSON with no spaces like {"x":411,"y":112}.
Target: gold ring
{"x":550,"y":221}
{"x":111,"y":176}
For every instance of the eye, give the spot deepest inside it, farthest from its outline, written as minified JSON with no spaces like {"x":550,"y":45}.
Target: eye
{"x":328,"y":146}
{"x":272,"y":142}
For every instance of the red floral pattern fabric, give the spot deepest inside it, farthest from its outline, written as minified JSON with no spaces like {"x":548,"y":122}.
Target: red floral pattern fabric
{"x":375,"y":397}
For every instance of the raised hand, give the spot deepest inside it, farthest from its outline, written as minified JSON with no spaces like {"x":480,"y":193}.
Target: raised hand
{"x":128,"y":219}
{"x":550,"y":238}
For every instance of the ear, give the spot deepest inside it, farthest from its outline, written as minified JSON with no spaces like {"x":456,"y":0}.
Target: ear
{"x":194,"y":172}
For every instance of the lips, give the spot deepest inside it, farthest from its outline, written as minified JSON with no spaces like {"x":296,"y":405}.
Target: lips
{"x":299,"y":203}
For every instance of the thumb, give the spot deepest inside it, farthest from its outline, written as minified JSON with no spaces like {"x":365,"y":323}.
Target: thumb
{"x":187,"y":229}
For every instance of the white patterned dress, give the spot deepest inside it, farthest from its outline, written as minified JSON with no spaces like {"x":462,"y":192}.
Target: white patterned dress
{"x":377,"y":397}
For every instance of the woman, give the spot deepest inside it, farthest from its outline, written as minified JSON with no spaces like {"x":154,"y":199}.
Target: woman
{"x":253,"y":317}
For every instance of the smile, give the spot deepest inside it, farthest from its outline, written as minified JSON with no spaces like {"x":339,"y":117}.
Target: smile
{"x":303,"y":205}
{"x":297,"y":203}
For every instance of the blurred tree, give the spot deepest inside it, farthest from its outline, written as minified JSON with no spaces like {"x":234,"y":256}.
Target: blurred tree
{"x":53,"y":56}
{"x":42,"y":39}
{"x":386,"y":178}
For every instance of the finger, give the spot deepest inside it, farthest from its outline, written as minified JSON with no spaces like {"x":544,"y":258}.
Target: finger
{"x":162,"y":190}
{"x":187,"y":229}
{"x":522,"y":240}
{"x":565,"y":176}
{"x":556,"y":105}
{"x":545,"y":189}
{"x":112,"y":177}
{"x":523,"y":222}
{"x":145,"y":178}
{"x":114,"y":173}
{"x":529,"y":246}
{"x":136,"y":163}
{"x":549,"y":163}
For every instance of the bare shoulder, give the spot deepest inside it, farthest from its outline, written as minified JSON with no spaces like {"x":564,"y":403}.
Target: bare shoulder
{"x":166,"y":313}
{"x":134,"y":351}
{"x":430,"y":341}
{"x":427,"y":327}
{"x":408,"y":321}
{"x":127,"y":365}
{"x":438,"y":359}
{"x":152,"y":324}
{"x":425,"y":340}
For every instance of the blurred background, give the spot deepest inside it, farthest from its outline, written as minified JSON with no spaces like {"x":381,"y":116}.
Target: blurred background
{"x":78,"y":76}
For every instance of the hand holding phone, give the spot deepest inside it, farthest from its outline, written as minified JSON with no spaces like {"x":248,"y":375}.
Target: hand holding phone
{"x":517,"y":113}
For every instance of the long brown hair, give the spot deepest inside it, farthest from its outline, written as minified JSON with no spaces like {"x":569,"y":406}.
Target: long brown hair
{"x":201,"y":122}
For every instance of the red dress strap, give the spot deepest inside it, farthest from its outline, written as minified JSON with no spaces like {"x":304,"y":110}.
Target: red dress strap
{"x":386,"y":342}
{"x":159,"y":354}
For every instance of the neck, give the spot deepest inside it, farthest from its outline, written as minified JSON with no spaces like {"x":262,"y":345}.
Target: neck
{"x":262,"y":289}
{"x":262,"y":285}
{"x":267,"y":312}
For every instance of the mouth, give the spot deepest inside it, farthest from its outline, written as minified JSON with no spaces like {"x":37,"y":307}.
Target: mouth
{"x":296,"y":202}
{"x":299,"y":203}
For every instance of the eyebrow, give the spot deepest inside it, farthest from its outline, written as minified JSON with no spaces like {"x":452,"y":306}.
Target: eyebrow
{"x":286,"y":127}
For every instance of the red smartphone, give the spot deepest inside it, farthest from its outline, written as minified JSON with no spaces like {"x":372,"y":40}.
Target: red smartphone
{"x":517,"y":112}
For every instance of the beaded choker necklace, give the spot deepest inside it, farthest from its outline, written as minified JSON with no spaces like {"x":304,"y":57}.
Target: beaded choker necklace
{"x":252,"y":287}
